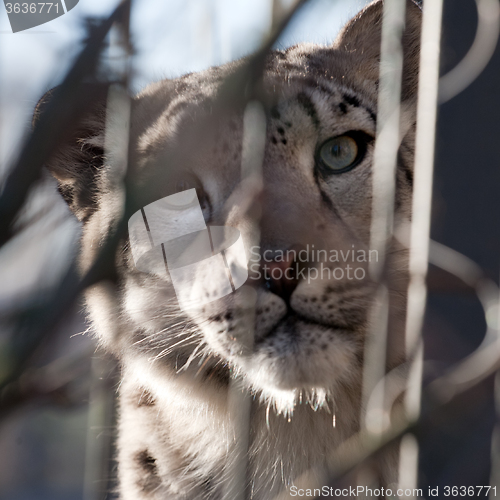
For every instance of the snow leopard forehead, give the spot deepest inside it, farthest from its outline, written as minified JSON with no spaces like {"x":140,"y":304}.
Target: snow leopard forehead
{"x":314,"y":76}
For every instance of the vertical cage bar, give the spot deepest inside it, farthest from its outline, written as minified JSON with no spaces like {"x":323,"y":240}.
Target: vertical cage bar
{"x":102,"y":405}
{"x":101,"y":425}
{"x":495,"y":438}
{"x":239,"y":399}
{"x":383,"y":193}
{"x":420,"y":225}
{"x":495,"y":443}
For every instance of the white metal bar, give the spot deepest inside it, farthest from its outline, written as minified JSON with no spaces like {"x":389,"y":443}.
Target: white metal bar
{"x":116,"y":145}
{"x":383,"y":193}
{"x":495,"y":443}
{"x":420,"y":225}
{"x":239,"y":399}
{"x":388,"y":131}
{"x":479,"y":55}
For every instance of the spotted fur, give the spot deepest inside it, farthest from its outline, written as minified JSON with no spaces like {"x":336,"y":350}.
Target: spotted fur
{"x":176,"y":435}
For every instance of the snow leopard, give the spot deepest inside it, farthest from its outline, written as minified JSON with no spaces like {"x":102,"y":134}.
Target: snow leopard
{"x":176,"y":436}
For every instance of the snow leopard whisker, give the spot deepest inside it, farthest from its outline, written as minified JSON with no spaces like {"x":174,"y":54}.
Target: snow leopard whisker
{"x":191,"y":358}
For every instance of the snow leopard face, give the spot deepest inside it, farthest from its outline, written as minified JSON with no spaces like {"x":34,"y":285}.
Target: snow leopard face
{"x":295,"y":330}
{"x":299,"y":322}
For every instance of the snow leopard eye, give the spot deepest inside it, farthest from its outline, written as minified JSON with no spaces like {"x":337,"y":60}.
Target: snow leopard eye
{"x":342,"y":153}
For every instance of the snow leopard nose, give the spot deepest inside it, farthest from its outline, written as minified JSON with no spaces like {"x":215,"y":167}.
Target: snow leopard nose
{"x":281,"y":276}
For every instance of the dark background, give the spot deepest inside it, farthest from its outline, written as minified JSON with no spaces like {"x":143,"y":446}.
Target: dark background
{"x":465,"y":217}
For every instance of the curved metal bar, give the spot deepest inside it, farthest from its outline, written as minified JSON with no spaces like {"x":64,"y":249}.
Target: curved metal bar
{"x":470,"y":370}
{"x":480,"y":53}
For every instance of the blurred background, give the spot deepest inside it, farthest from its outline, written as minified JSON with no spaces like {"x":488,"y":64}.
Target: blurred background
{"x":43,"y":444}
{"x":47,"y":442}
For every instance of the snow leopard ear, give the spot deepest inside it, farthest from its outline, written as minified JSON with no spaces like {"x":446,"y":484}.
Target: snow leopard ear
{"x":361,"y":37}
{"x":79,"y":159}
